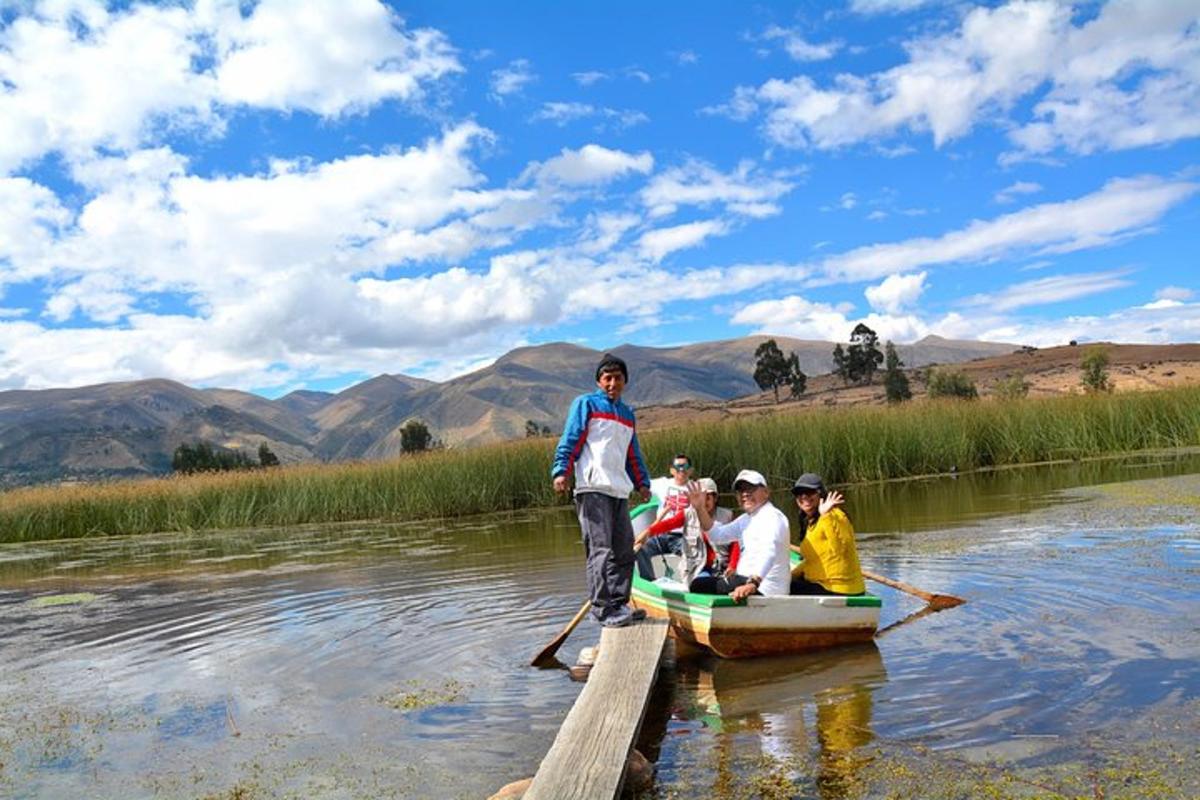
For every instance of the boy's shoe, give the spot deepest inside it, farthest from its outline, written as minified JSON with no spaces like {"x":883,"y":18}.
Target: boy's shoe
{"x":637,"y":614}
{"x":617,"y":620}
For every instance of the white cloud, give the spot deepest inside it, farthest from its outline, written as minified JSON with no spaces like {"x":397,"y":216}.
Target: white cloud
{"x":1162,"y":303}
{"x":896,"y":292}
{"x":687,"y":58}
{"x":798,"y":47}
{"x":603,"y":287}
{"x":589,"y":77}
{"x":1174,"y":293}
{"x":659,"y":243}
{"x":1125,"y":207}
{"x":796,"y":316}
{"x":69,"y":89}
{"x":336,"y":56}
{"x":590,"y":164}
{"x":742,"y":106}
{"x":511,"y":79}
{"x":888,"y":6}
{"x":67,"y":67}
{"x":1148,"y":324}
{"x":159,"y":229}
{"x":637,"y":74}
{"x":1125,"y":78}
{"x":604,"y":231}
{"x":30,"y":223}
{"x":746,"y":190}
{"x":97,"y":296}
{"x":561,"y":114}
{"x":1010,"y":193}
{"x":1052,"y":289}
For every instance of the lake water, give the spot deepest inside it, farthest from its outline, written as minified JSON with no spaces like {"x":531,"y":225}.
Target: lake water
{"x":384,"y":660}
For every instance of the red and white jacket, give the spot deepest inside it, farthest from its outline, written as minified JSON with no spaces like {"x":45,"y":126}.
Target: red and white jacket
{"x":599,"y":446}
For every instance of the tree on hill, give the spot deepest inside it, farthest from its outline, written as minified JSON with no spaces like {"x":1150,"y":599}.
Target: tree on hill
{"x":841,"y":364}
{"x":895,"y":382}
{"x":265,"y":457}
{"x":951,"y":383}
{"x":864,"y":356}
{"x":415,"y":437}
{"x":1095,"y":370}
{"x":533,"y":430}
{"x":772,"y":369}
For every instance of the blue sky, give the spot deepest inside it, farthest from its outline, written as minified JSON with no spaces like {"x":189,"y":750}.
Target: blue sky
{"x":303,"y":194}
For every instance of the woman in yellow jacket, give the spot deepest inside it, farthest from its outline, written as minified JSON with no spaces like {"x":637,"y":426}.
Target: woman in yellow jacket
{"x":830,"y":564}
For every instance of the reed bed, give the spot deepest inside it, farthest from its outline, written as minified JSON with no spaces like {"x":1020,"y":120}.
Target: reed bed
{"x":845,"y":445}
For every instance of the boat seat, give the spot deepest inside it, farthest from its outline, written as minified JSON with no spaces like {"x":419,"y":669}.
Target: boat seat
{"x":667,"y":566}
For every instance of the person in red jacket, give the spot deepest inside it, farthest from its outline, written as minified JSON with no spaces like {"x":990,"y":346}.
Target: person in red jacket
{"x":697,"y":552}
{"x":599,"y":449}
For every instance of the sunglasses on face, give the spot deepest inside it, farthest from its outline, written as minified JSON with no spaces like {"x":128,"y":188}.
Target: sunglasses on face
{"x":681,"y":467}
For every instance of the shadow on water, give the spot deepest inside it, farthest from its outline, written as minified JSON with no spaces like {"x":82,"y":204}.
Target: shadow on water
{"x":378,"y":660}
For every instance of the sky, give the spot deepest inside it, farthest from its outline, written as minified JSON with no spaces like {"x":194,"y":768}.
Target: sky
{"x":301,"y":194}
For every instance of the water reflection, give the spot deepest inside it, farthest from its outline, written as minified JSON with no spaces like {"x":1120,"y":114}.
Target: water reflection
{"x":771,"y":698}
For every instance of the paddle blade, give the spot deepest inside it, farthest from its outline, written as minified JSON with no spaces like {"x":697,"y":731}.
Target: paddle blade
{"x":940,"y":601}
{"x":546,"y":654}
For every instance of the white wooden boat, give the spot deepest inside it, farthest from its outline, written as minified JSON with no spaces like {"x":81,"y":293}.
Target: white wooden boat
{"x":759,"y":626}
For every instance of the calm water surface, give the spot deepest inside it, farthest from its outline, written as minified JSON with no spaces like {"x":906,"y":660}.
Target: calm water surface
{"x":391,"y":660}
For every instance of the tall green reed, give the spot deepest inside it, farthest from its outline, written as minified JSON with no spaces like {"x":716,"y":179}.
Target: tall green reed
{"x":845,"y":445}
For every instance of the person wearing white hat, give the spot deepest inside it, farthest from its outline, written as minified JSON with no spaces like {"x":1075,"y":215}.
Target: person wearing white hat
{"x":762,"y":531}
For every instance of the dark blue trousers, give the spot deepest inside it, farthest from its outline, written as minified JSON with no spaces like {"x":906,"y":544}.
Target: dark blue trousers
{"x":608,"y":545}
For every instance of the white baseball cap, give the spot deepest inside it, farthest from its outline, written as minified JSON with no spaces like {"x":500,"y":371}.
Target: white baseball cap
{"x":751,"y":477}
{"x":708,"y":486}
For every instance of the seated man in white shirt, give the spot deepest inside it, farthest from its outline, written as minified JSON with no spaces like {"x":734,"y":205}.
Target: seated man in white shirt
{"x":763,"y":533}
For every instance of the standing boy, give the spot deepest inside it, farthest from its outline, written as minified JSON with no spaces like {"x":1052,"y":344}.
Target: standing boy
{"x":599,"y":447}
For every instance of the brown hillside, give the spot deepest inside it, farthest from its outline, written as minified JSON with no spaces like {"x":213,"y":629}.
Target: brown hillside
{"x":1050,"y":371}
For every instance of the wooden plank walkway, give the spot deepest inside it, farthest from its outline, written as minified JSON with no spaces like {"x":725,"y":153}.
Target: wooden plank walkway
{"x":587,"y":759}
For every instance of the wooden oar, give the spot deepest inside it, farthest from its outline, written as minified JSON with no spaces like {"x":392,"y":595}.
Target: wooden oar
{"x":936,"y":601}
{"x":549,"y":650}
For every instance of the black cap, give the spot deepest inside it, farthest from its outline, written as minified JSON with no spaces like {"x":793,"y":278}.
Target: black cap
{"x":807,"y":482}
{"x":609,"y":363}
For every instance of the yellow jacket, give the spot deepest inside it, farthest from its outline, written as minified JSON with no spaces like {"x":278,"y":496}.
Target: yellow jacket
{"x":830,"y":556}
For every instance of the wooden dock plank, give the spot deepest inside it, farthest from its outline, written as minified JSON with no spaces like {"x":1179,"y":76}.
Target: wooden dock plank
{"x":587,"y":759}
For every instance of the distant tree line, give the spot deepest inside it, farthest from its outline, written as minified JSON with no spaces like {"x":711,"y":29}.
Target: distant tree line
{"x":203,"y":457}
{"x":533,"y":430}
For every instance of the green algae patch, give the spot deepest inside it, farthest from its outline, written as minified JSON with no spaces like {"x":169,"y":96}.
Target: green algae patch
{"x":52,"y":600}
{"x":417,"y":696}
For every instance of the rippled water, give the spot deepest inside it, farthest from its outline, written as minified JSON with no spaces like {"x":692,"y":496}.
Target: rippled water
{"x":391,"y":660}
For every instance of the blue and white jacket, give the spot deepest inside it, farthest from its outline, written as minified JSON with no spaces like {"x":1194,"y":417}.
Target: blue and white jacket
{"x":599,"y":445}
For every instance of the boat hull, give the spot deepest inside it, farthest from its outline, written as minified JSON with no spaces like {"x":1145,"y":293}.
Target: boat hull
{"x":761,"y":625}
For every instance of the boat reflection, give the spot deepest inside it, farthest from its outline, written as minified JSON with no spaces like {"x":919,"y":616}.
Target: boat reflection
{"x":770,"y":697}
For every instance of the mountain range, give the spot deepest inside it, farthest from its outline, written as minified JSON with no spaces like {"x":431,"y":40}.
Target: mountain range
{"x":132,"y":428}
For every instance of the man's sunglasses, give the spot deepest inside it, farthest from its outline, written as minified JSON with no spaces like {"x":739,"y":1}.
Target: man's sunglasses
{"x":681,"y":466}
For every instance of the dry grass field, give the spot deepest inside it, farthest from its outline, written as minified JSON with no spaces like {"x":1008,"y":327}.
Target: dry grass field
{"x":1052,"y":371}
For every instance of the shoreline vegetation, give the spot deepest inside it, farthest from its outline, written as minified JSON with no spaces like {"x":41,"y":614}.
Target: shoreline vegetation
{"x":847,"y":445}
